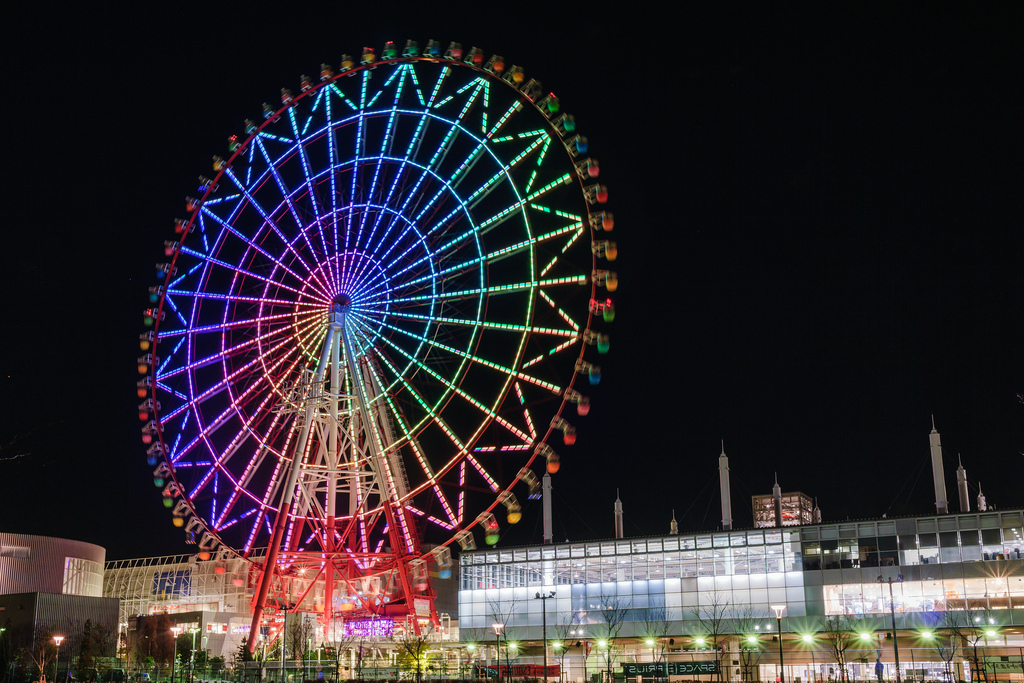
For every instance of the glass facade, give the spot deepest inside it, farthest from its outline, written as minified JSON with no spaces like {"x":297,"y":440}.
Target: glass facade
{"x":950,"y":562}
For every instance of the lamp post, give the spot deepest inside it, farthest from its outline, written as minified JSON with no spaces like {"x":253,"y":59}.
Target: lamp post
{"x":892,"y":612}
{"x":497,"y":626}
{"x":544,"y":625}
{"x":56,"y":662}
{"x":779,"y":609}
{"x":192,"y":658}
{"x":176,"y":630}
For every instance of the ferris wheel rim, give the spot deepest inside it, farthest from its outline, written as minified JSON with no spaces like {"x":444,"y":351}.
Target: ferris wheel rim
{"x":542,"y":437}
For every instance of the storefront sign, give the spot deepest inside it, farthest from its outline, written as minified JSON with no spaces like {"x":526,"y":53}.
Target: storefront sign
{"x":654,"y":669}
{"x":1004,"y":665}
{"x":369,"y":628}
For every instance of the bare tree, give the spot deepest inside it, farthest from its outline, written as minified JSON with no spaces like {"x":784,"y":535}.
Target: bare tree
{"x":946,"y":649}
{"x":249,"y":661}
{"x":614,"y":611}
{"x":501,"y":612}
{"x":654,"y":629}
{"x":750,"y":650}
{"x":41,"y":650}
{"x":336,"y":649}
{"x":414,"y":646}
{"x":711,"y":618}
{"x":837,"y":630}
{"x":969,"y":627}
{"x":565,"y":633}
{"x":300,"y":634}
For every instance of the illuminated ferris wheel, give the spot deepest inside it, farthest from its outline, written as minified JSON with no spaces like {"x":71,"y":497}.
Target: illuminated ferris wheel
{"x":374,"y":322}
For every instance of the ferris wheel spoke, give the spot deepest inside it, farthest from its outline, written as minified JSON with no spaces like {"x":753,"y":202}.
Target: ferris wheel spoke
{"x":483,"y":324}
{"x":424,"y":404}
{"x":221,"y":385}
{"x":229,"y":229}
{"x":541,"y":142}
{"x":228,"y":325}
{"x":378,"y":164}
{"x":492,"y":257}
{"x":508,"y":372}
{"x":248,"y":430}
{"x":457,"y":390}
{"x":221,"y":354}
{"x":425,"y":467}
{"x":241,"y":481}
{"x":495,"y":289}
{"x":203,"y":437}
{"x":269,"y":221}
{"x":279,"y":181}
{"x":300,"y":148}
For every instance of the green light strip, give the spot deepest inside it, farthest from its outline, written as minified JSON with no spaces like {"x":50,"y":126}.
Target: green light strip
{"x":493,"y":257}
{"x":498,"y":289}
{"x":460,"y":392}
{"x":398,"y":73}
{"x":510,"y":327}
{"x":432,"y":478}
{"x":562,"y":313}
{"x":529,"y":182}
{"x":431,"y":413}
{"x":477,"y":359}
{"x":346,"y":100}
{"x":416,"y":85}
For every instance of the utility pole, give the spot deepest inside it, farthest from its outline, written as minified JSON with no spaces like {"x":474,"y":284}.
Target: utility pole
{"x":544,"y":625}
{"x":892,"y":613}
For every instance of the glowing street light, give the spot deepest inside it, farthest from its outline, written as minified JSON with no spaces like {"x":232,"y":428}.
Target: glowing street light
{"x":497,"y":626}
{"x":892,"y":613}
{"x":779,"y":609}
{"x":544,"y":625}
{"x":192,"y":660}
{"x":56,"y":662}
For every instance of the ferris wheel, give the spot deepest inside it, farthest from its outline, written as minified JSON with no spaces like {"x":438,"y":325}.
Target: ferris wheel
{"x":375,"y":324}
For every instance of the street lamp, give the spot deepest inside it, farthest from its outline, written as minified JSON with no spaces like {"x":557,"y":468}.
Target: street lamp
{"x":497,"y":626}
{"x":779,"y":609}
{"x":892,"y":611}
{"x":192,"y":659}
{"x":56,"y":662}
{"x":544,"y":625}
{"x":176,"y":630}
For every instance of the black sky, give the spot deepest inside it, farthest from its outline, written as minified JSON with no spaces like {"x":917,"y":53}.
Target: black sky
{"x":818,"y":213}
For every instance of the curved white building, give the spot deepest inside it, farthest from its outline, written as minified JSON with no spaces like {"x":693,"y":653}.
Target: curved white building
{"x":43,"y":564}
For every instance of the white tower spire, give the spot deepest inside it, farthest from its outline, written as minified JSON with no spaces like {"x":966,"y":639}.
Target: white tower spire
{"x":618,"y":516}
{"x":982,"y":503}
{"x":546,"y":495}
{"x":723,"y":482}
{"x":938,"y":475}
{"x":777,"y":500}
{"x":961,"y":484}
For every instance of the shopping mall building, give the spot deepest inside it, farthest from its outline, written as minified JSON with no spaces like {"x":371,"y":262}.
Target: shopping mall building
{"x":707,"y":599}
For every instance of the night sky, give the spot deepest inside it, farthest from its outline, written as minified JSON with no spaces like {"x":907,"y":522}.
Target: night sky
{"x":819,"y":221}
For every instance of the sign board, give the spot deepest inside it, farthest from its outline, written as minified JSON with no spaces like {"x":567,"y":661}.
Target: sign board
{"x":523,"y":671}
{"x":369,"y":628}
{"x":662,"y":669}
{"x":1004,"y":665}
